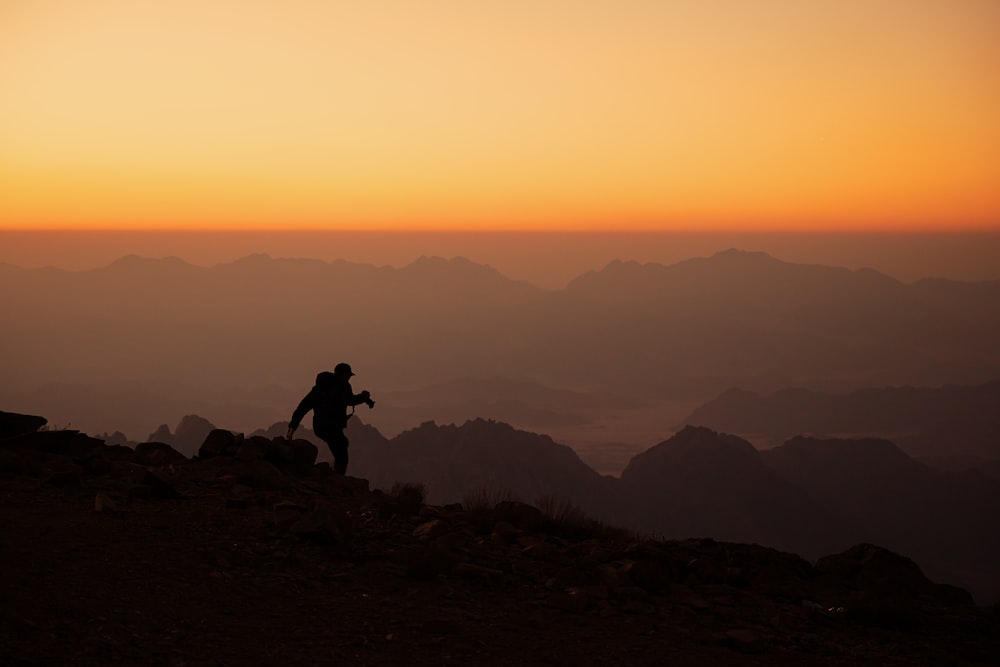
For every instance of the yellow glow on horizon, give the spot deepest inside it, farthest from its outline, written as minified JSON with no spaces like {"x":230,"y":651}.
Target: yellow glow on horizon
{"x":519,"y":115}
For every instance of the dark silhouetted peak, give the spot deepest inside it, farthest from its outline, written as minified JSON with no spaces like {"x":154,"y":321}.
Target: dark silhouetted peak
{"x":439,"y":267}
{"x":737,"y":257}
{"x":691,"y":450}
{"x":262,"y":261}
{"x":192,"y":426}
{"x":700,"y":482}
{"x":454,"y":461}
{"x":728,"y":279}
{"x":873,"y":454}
{"x":936,"y":421}
{"x":188,"y":437}
{"x":135,"y":262}
{"x":461,"y":275}
{"x":879,"y":572}
{"x":254,"y":260}
{"x":161,"y":434}
{"x":485,"y":432}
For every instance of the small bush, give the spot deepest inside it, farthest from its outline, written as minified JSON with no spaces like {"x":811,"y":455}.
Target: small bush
{"x":485,"y":499}
{"x":404,"y":498}
{"x":567,"y":520}
{"x":561,"y":511}
{"x":479,"y":505}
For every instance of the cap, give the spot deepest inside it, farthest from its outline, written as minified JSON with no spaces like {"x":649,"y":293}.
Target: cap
{"x":343,"y":369}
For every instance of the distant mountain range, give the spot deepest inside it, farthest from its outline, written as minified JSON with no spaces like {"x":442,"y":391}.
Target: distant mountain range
{"x":809,"y":496}
{"x":244,"y":339}
{"x":949,"y":422}
{"x":817,"y":351}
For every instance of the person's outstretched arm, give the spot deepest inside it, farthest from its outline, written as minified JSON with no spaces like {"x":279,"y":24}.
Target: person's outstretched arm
{"x":358,"y":399}
{"x":305,"y":405}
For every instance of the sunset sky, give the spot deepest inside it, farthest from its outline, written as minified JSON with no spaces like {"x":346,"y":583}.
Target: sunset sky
{"x":466,"y":114}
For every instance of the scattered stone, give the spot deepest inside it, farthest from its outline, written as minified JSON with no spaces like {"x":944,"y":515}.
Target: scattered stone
{"x":650,"y":575}
{"x":430,"y":530}
{"x":478,"y":571}
{"x":96,"y":465}
{"x":521,"y":515}
{"x":158,"y":488}
{"x":505,"y":533}
{"x":738,"y":639}
{"x":156,"y":454}
{"x":261,"y":475}
{"x":568,"y":601}
{"x":119,"y":453}
{"x":318,"y":526}
{"x":542,"y":551}
{"x":103,"y":503}
{"x":426,"y":561}
{"x":11,"y":462}
{"x":65,"y":478}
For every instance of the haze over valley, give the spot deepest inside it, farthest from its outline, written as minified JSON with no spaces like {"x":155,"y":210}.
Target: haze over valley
{"x":621,"y":354}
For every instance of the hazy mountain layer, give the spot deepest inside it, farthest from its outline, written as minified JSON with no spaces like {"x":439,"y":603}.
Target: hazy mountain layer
{"x":949,"y":421}
{"x":246,"y":338}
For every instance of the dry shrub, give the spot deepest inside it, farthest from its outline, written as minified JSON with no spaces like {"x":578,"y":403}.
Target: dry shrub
{"x":403,"y":499}
{"x":479,"y":505}
{"x":569,"y":521}
{"x":485,"y":499}
{"x":408,"y":496}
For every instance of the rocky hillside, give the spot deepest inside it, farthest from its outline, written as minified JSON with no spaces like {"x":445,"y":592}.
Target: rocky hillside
{"x":809,"y":496}
{"x":252,"y":553}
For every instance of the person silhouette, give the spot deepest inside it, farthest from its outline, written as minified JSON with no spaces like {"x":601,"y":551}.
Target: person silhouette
{"x":329,"y":399}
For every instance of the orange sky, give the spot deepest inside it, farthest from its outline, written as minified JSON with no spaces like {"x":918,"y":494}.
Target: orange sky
{"x":548,"y":114}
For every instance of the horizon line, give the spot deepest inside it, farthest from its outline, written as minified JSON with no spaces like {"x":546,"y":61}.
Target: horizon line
{"x":553,"y":231}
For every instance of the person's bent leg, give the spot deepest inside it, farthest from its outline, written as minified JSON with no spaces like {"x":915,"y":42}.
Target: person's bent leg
{"x":338,"y":447}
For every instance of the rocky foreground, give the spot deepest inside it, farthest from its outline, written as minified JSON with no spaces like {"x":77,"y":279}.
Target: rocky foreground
{"x":252,"y":553}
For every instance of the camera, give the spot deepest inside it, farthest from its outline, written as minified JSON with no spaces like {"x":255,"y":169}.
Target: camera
{"x":367,"y":398}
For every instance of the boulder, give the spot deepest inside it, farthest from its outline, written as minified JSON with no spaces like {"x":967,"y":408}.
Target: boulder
{"x":156,"y":454}
{"x":65,"y":478}
{"x":254,"y":448}
{"x":13,"y":424}
{"x":220,"y":442}
{"x":521,"y":515}
{"x":260,"y":475}
{"x":301,"y":452}
{"x":158,"y":487}
{"x":12,"y":463}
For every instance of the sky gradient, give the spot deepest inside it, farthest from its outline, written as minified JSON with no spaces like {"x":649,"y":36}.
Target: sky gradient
{"x":635,"y":114}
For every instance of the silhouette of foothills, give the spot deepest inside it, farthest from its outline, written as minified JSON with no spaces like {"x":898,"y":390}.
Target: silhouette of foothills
{"x":329,"y":399}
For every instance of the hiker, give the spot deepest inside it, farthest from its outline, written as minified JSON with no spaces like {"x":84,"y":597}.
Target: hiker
{"x":329,"y":400}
